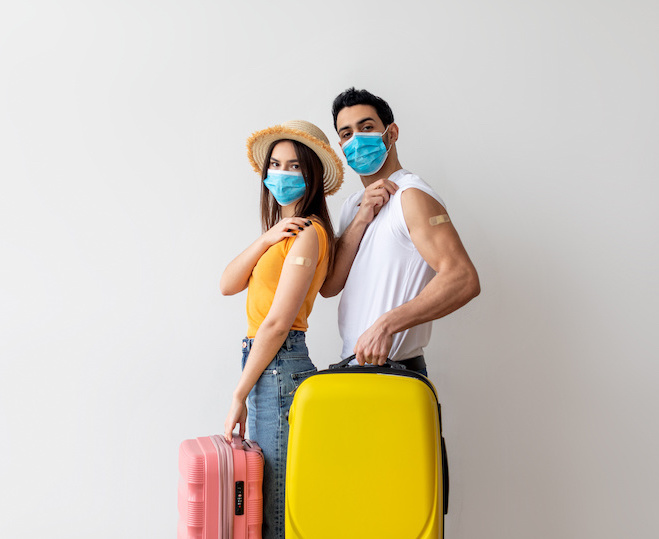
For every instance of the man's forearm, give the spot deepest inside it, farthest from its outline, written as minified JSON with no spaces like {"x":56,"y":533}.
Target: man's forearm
{"x":375,"y":196}
{"x":346,"y":250}
{"x":440,"y":297}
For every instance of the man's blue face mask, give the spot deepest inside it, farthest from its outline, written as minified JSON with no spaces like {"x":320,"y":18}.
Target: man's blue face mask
{"x":366,"y":152}
{"x":285,"y":186}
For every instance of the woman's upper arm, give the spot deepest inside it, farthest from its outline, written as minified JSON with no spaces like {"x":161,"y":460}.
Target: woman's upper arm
{"x":295,"y":279}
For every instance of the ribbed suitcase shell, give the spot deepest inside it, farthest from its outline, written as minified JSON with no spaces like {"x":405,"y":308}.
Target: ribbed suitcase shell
{"x":220,"y":492}
{"x":365,"y":457}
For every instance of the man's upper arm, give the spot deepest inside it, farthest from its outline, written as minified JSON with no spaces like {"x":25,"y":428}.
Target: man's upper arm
{"x":432,"y":233}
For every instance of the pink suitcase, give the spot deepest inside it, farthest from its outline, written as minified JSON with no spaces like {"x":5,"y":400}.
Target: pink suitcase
{"x":220,"y":489}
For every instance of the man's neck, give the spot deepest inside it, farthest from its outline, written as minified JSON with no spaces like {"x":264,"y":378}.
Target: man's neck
{"x":387,"y":170}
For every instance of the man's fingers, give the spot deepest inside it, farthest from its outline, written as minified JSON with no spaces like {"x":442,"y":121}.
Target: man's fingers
{"x":359,"y":357}
{"x":364,"y":355}
{"x":385,"y":185}
{"x":377,"y":199}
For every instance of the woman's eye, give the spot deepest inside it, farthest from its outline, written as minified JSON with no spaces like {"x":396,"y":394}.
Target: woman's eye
{"x":295,"y":167}
{"x":273,"y":165}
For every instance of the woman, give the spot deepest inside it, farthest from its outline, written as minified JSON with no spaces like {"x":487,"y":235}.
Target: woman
{"x":283,"y":271}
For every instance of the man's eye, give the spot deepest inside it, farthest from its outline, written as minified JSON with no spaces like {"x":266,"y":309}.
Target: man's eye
{"x":367,"y":128}
{"x":347,"y":135}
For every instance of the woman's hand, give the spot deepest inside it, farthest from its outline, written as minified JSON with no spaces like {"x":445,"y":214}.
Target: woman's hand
{"x":236,"y":275}
{"x":237,"y":415}
{"x":286,"y":228}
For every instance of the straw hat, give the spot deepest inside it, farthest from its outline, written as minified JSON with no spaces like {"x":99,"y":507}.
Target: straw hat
{"x":309,"y":135}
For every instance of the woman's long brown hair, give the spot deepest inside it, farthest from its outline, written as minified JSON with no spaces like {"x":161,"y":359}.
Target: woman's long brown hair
{"x":312,"y":203}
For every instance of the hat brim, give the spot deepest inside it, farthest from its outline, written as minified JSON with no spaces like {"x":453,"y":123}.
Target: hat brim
{"x":259,"y":143}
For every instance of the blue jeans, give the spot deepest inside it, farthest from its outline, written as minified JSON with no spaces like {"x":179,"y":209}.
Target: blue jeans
{"x":267,"y":422}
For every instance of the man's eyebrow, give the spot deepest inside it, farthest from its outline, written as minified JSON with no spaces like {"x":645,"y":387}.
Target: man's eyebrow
{"x":360,"y":122}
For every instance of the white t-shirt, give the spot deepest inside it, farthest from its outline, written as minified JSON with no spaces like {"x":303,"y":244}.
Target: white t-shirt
{"x":387,"y":272}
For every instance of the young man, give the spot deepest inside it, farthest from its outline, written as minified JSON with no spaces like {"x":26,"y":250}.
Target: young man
{"x":399,"y":259}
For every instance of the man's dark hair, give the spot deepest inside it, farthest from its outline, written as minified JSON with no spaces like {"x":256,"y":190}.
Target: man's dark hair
{"x":352,"y":97}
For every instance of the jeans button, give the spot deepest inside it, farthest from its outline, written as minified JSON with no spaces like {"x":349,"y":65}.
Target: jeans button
{"x":274,"y":372}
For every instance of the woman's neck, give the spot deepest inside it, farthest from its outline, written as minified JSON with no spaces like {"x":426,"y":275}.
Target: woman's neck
{"x":289,"y":210}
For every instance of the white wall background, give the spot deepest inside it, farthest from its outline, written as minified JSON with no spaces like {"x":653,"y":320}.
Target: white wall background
{"x":126,"y":191}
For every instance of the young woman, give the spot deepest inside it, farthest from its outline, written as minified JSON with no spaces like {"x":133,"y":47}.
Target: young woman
{"x":282,"y":271}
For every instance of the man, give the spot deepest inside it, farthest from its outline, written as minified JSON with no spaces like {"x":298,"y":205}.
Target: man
{"x":399,"y":259}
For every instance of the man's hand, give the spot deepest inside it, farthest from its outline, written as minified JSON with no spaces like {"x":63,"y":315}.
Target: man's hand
{"x":375,"y":196}
{"x":374,"y":345}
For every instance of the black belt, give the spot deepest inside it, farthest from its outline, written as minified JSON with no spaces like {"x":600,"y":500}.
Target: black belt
{"x":414,"y":363}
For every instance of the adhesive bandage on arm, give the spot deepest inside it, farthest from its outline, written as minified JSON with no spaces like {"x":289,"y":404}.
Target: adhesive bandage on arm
{"x":301,"y":261}
{"x":439,"y":219}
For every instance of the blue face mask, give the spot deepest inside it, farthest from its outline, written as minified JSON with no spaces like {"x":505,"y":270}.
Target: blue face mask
{"x":285,"y":186}
{"x":366,"y":152}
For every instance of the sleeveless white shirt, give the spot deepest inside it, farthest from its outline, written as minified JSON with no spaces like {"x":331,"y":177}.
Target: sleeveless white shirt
{"x":387,"y":272}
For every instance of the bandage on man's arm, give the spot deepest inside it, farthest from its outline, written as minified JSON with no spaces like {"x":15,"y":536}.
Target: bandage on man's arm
{"x":439,"y":219}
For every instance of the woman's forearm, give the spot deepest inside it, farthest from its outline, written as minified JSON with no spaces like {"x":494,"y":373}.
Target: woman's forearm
{"x":236,"y":275}
{"x":268,"y":340}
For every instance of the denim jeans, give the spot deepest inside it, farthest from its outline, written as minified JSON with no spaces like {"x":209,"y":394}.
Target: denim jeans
{"x":267,"y":422}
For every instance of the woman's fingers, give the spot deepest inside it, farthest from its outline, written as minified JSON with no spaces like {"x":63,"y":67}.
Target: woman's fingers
{"x":291,"y":226}
{"x":228,"y":431}
{"x":295,"y":223}
{"x":286,"y":228}
{"x":237,"y":416}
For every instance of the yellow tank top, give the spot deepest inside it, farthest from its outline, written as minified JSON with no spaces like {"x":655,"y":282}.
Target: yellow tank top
{"x":265,"y":277}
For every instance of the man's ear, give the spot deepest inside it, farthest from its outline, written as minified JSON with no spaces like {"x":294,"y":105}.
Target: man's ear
{"x":392,"y":133}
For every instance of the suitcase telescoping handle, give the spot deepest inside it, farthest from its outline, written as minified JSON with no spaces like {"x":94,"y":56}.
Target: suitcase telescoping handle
{"x":345,"y":364}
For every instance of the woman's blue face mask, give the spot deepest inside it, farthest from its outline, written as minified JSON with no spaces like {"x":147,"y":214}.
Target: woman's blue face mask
{"x":285,"y":186}
{"x":366,"y":152}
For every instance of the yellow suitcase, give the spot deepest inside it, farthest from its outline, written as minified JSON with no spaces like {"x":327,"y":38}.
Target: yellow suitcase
{"x":366,"y":457}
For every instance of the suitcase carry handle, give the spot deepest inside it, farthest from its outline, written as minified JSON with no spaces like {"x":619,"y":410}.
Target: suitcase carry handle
{"x":345,"y":364}
{"x":237,"y":442}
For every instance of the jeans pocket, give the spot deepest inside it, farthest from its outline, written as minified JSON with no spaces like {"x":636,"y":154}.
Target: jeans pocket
{"x":299,"y":377}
